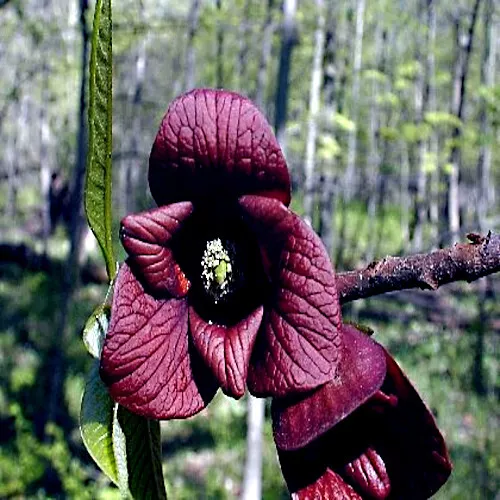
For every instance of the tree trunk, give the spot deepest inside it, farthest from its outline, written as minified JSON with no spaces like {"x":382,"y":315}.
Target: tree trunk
{"x":219,"y":75}
{"x":71,"y":274}
{"x":350,"y":177}
{"x":328,"y":186}
{"x":328,"y":195}
{"x":373,"y":160}
{"x":421,"y":106}
{"x":484,"y":293}
{"x":485,"y":191}
{"x":434,"y":139}
{"x":265,"y":55}
{"x":464,"y":51}
{"x":193,"y":21}
{"x":404,"y":189}
{"x":45,"y":167}
{"x":252,"y":480}
{"x":136,"y":179}
{"x":288,"y":41}
{"x":244,"y":45}
{"x":13,"y":156}
{"x":312,"y":126}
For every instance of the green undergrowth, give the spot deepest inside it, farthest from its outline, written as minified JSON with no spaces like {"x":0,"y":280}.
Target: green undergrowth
{"x":432,"y":335}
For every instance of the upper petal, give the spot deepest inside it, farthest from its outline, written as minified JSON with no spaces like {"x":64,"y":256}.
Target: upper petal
{"x":301,"y":419}
{"x":226,"y":349}
{"x":300,"y":344}
{"x":147,"y":362}
{"x":146,"y":238}
{"x":215,"y":143}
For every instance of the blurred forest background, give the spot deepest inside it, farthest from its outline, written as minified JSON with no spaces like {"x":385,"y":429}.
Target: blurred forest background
{"x":389,"y":114}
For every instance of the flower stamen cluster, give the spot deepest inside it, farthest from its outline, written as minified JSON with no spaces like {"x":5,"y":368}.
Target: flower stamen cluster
{"x":217,"y":270}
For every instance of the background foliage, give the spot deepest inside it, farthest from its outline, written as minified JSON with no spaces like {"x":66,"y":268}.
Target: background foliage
{"x":400,"y":105}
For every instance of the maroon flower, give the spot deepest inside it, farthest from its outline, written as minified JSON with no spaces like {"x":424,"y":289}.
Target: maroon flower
{"x":226,"y":287}
{"x":389,"y":447}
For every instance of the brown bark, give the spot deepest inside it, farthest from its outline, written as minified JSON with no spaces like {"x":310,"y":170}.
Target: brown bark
{"x":466,"y":261}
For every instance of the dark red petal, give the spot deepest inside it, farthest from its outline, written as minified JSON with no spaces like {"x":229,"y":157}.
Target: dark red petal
{"x":146,"y":238}
{"x":299,"y":420}
{"x":308,"y":477}
{"x":408,"y":439}
{"x":215,"y":143}
{"x":300,"y":344}
{"x":368,"y":472}
{"x":147,"y":362}
{"x":389,"y":447}
{"x":329,"y":486}
{"x":226,"y":349}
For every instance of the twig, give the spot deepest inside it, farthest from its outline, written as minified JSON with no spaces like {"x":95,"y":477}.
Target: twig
{"x":465,"y":261}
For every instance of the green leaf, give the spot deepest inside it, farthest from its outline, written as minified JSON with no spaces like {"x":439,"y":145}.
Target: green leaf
{"x":96,"y":421}
{"x":95,"y":330}
{"x":344,"y":123}
{"x":375,"y":75}
{"x":328,"y":147}
{"x":125,"y":446}
{"x":98,"y":176}
{"x":137,"y":447}
{"x":442,"y":119}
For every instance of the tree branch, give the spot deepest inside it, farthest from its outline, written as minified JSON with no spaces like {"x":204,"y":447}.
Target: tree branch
{"x":466,"y":261}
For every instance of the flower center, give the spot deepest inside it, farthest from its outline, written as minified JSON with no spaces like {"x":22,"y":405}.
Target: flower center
{"x":221,"y":258}
{"x":217,"y":269}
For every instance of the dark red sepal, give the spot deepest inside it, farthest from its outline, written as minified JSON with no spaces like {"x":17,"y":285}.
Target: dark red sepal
{"x":226,"y":349}
{"x":146,"y":237}
{"x":300,"y":345}
{"x":298,"y":420}
{"x":147,"y":361}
